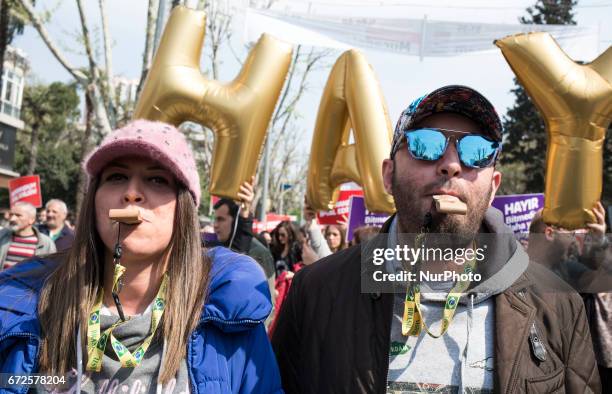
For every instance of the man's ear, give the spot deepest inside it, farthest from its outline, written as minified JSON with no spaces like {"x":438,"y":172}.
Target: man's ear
{"x":387,"y":173}
{"x":549,"y":233}
{"x":495,"y":182}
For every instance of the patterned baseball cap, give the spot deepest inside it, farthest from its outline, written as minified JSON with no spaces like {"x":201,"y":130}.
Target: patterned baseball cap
{"x":458,"y":99}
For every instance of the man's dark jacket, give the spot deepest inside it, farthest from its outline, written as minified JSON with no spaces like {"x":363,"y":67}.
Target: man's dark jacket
{"x":64,"y":240}
{"x":333,"y":338}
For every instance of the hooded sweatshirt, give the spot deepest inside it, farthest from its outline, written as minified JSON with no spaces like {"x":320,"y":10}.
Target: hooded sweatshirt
{"x":462,"y":360}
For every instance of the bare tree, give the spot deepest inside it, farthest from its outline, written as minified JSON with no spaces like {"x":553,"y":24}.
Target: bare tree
{"x":289,"y":159}
{"x":218,"y":29}
{"x":99,"y":100}
{"x":108,"y":56}
{"x":88,"y":81}
{"x":147,"y":55}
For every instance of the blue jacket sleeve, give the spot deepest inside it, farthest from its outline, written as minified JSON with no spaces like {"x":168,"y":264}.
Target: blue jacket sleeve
{"x":261,"y":373}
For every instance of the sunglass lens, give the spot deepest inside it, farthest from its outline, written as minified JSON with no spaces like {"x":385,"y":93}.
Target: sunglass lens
{"x":426,"y":144}
{"x":477,"y":151}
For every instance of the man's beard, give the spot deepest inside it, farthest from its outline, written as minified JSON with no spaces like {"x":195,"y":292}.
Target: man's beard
{"x":413,"y":219}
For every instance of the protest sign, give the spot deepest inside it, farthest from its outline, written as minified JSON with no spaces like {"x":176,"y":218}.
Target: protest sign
{"x":25,"y":189}
{"x":519,"y":209}
{"x":360,"y":216}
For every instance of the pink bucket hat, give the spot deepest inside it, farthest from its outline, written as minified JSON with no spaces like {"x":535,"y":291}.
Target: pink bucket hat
{"x":158,"y":141}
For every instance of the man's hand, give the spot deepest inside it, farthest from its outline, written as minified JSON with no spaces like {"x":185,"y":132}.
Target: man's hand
{"x":598,"y":229}
{"x":246,"y":196}
{"x":309,"y":213}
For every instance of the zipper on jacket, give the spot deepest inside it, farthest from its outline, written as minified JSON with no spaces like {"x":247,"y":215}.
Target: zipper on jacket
{"x":537,"y":347}
{"x":192,"y":381}
{"x":230,"y":322}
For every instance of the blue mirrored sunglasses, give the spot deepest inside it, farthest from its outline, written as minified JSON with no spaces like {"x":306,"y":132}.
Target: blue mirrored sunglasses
{"x":474,"y":150}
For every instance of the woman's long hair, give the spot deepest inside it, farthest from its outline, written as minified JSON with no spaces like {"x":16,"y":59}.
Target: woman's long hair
{"x":292,"y":237}
{"x":70,"y":292}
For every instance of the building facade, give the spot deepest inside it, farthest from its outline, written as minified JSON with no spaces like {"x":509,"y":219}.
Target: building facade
{"x":11,"y":96}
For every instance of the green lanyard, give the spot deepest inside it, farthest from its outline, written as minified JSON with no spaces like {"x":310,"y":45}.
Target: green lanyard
{"x":412,"y":321}
{"x":96,"y":342}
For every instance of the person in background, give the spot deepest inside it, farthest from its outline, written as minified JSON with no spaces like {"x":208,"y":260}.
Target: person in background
{"x":292,"y":251}
{"x":70,"y":220}
{"x":364,"y":234}
{"x":265,"y":235}
{"x":22,"y":240}
{"x":286,"y":248}
{"x":4,"y":217}
{"x":55,"y":226}
{"x":576,"y":255}
{"x":233,"y":230}
{"x":41,"y":218}
{"x":313,"y":233}
{"x":336,"y":237}
{"x":581,"y":257}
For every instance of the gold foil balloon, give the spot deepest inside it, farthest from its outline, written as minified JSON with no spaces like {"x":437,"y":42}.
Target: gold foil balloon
{"x":351,"y":99}
{"x":576,"y":103}
{"x":237,"y":112}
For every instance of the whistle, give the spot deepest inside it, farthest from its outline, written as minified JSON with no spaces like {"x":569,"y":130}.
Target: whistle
{"x":450,"y":204}
{"x":126,"y":215}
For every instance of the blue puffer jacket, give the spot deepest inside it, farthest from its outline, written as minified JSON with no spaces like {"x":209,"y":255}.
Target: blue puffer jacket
{"x":229,"y":351}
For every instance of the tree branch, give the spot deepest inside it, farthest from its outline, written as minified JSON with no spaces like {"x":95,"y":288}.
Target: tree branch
{"x":108,"y":56}
{"x":42,"y":31}
{"x":147,"y":55}
{"x":93,"y":87}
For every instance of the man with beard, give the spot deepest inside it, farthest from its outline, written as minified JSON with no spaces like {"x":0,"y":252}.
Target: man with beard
{"x":582,"y":258}
{"x":22,"y":240}
{"x":508,"y":332}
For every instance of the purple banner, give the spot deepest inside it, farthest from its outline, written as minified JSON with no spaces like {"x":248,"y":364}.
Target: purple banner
{"x":519,"y":209}
{"x":360,"y":216}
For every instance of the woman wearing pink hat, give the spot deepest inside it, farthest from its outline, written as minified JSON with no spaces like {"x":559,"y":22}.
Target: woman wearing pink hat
{"x":136,"y":305}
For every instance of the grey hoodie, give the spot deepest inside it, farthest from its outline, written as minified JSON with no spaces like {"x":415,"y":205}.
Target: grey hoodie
{"x":463,"y":359}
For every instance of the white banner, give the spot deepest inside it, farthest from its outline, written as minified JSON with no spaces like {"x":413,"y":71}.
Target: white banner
{"x":414,"y":37}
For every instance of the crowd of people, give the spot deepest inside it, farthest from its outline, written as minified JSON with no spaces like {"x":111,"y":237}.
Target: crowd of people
{"x":24,"y":233}
{"x":286,"y":310}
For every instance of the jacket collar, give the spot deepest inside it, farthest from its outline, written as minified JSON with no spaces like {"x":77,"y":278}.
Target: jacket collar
{"x":239,"y":296}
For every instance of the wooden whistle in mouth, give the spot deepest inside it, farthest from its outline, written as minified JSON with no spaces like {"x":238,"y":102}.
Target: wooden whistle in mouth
{"x":125,"y":215}
{"x":450,"y":204}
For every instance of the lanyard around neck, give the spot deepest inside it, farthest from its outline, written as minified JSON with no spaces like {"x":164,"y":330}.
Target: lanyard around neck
{"x":412,"y":321}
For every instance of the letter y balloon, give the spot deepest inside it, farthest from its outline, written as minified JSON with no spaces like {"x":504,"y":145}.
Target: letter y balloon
{"x":576,"y":102}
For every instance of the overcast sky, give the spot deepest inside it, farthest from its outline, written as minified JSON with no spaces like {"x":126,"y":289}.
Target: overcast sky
{"x":402,"y":78}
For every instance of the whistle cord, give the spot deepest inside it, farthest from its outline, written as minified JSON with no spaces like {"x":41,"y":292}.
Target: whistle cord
{"x":119,"y":269}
